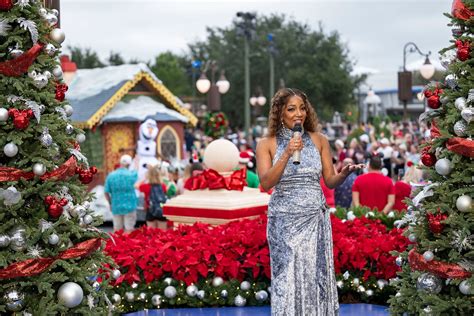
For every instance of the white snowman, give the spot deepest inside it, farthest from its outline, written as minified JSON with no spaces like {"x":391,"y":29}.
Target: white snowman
{"x":146,"y":147}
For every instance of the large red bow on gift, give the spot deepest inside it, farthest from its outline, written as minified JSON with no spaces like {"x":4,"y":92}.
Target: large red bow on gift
{"x":213,"y":180}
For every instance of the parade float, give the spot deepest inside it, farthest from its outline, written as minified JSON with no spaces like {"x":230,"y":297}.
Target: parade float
{"x":219,"y":194}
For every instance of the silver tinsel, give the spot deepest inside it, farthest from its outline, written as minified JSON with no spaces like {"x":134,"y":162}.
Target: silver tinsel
{"x":429,"y":283}
{"x":4,"y":26}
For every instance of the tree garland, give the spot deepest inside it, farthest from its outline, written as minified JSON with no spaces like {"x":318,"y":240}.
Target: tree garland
{"x":215,"y":124}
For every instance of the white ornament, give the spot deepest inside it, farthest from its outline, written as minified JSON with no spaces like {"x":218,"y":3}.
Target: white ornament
{"x":240,"y":301}
{"x":261,"y":295}
{"x":88,"y":219}
{"x":191,"y":290}
{"x":460,"y":103}
{"x":369,"y":292}
{"x":156,"y":300}
{"x":217,"y":281}
{"x":391,"y":214}
{"x":464,"y":203}
{"x":332,"y":210}
{"x":53,"y":239}
{"x":57,"y":35}
{"x":428,"y":255}
{"x":70,"y":294}
{"x":116,"y":274}
{"x":224,"y":293}
{"x":443,"y":166}
{"x":58,"y":72}
{"x":50,"y":49}
{"x":142,"y":296}
{"x":116,"y":299}
{"x":68,"y":109}
{"x":340,"y":284}
{"x":3,"y":115}
{"x":356,"y":281}
{"x":129,"y":297}
{"x":381,"y":283}
{"x":80,"y":138}
{"x":168,"y":280}
{"x":221,"y":155}
{"x":245,"y":286}
{"x":39,"y":169}
{"x":361,"y":289}
{"x":170,"y":291}
{"x":201,"y":294}
{"x":465,"y":288}
{"x":346,"y":275}
{"x":10,"y":150}
{"x":468,"y":114}
{"x":51,"y":19}
{"x":351,"y":216}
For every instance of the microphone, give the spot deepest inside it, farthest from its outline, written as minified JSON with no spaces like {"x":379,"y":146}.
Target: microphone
{"x":297,"y":129}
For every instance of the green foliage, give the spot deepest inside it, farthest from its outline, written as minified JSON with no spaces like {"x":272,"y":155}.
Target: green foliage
{"x":115,"y":59}
{"x":85,"y":58}
{"x":40,"y":290}
{"x":313,"y":61}
{"x":171,"y":69}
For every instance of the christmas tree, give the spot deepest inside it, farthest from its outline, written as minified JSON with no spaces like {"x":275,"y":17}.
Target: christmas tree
{"x":51,"y":259}
{"x":437,"y":269}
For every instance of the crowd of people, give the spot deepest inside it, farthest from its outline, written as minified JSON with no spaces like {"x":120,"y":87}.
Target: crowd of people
{"x":389,"y":151}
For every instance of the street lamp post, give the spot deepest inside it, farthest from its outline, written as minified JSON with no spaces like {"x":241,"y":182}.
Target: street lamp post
{"x":427,"y":70}
{"x":272,"y":51}
{"x":370,"y":100}
{"x":257,"y":102}
{"x":247,"y":29}
{"x":212,"y":88}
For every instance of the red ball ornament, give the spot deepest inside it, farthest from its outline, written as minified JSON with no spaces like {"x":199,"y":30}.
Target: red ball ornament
{"x":6,"y":5}
{"x":93,"y":169}
{"x":49,"y":199}
{"x":433,"y":102}
{"x":463,"y":53}
{"x":63,"y":202}
{"x":428,"y":93}
{"x":434,"y":222}
{"x":428,"y":159}
{"x":55,"y":210}
{"x":86,"y":177}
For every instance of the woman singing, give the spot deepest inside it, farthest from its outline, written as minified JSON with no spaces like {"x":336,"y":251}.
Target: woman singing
{"x":299,"y":227}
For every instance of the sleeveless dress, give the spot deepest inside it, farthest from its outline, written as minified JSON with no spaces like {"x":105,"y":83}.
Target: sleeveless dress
{"x":300,"y":238}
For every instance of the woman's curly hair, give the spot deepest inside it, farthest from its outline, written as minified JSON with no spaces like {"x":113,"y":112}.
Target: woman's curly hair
{"x":279,"y":100}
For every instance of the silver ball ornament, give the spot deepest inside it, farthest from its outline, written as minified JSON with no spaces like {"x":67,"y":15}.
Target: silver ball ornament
{"x":116,"y":299}
{"x":129,"y":297}
{"x":4,"y":241}
{"x":142,"y":296}
{"x":57,"y":35}
{"x":51,"y":19}
{"x":464,"y":203}
{"x":224,"y":293}
{"x":58,"y":72}
{"x":399,"y":261}
{"x":14,"y":53}
{"x":55,"y":12}
{"x":381,"y":283}
{"x":68,"y":109}
{"x":460,"y":103}
{"x":69,"y":129}
{"x":191,"y":290}
{"x":116,"y":274}
{"x":429,"y":283}
{"x":217,"y":281}
{"x":43,"y":12}
{"x":245,"y":286}
{"x":168,"y":280}
{"x":10,"y":150}
{"x":80,"y":138}
{"x":360,"y":289}
{"x":78,"y":211}
{"x":39,"y":169}
{"x":201,"y":294}
{"x":468,"y":114}
{"x":412,"y":237}
{"x":46,"y":139}
{"x":50,"y":49}
{"x":14,"y":300}
{"x":428,"y":255}
{"x":87,"y":219}
{"x":53,"y":239}
{"x":70,"y":294}
{"x":18,"y":242}
{"x":460,"y":128}
{"x":156,"y":300}
{"x":3,"y":115}
{"x":261,"y":295}
{"x":465,"y":288}
{"x":443,"y":166}
{"x":170,"y":291}
{"x":369,"y":292}
{"x":427,"y":310}
{"x":239,"y":301}
{"x":356,"y":281}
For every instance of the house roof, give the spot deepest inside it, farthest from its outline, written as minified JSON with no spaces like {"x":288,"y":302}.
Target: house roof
{"x":95,"y":92}
{"x":140,"y":108}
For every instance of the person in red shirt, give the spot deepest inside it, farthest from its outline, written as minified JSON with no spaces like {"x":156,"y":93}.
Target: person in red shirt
{"x":152,"y":177}
{"x":373,"y":189}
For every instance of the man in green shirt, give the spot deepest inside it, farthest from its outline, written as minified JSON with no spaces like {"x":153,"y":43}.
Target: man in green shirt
{"x":245,"y":162}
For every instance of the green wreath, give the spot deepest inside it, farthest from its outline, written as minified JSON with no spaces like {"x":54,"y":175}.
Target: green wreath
{"x":215,"y":124}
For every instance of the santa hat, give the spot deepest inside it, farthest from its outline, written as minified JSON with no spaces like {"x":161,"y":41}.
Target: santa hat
{"x":245,"y":159}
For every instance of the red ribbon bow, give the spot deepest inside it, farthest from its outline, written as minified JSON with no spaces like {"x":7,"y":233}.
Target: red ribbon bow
{"x":32,"y":267}
{"x":459,"y":10}
{"x":213,"y":180}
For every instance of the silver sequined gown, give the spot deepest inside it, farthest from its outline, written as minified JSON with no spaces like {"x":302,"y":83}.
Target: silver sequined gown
{"x":300,"y":238}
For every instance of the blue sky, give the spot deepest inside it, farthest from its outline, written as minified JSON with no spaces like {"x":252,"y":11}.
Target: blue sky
{"x":375,"y":31}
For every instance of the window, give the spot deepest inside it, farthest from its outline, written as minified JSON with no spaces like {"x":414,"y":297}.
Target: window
{"x":168,"y":143}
